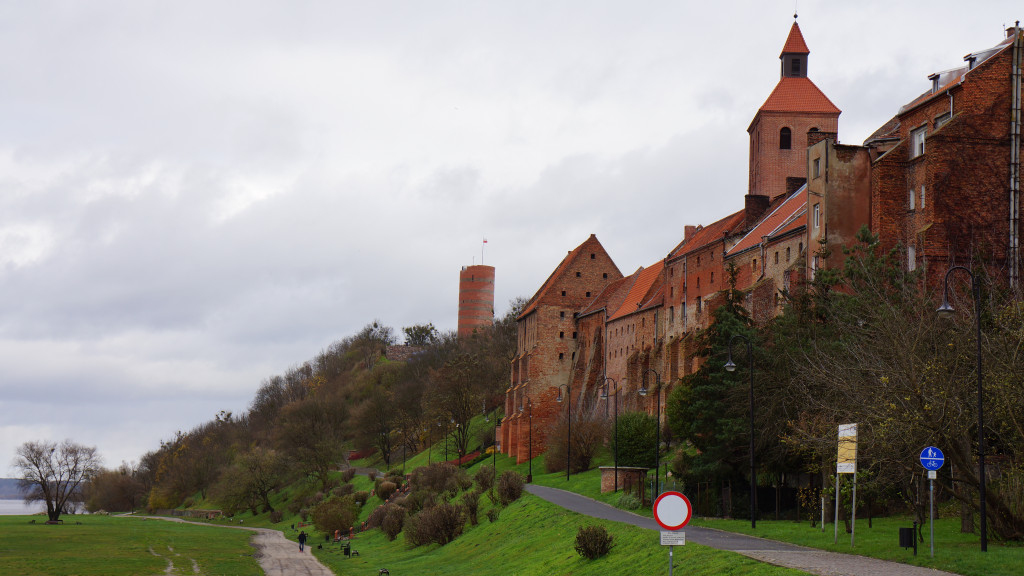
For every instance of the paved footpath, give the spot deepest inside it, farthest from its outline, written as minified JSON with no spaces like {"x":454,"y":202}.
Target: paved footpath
{"x":779,"y":553}
{"x":277,"y":555}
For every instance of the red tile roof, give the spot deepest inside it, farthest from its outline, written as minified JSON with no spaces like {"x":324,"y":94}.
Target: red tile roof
{"x":611,"y":297}
{"x":638,"y":294}
{"x":956,"y":75}
{"x":711,"y":233}
{"x":773,"y":222}
{"x":798,"y":95}
{"x":795,"y":42}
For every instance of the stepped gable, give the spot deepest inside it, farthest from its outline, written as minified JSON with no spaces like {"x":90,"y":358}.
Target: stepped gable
{"x":772,"y":224}
{"x":648,"y":281}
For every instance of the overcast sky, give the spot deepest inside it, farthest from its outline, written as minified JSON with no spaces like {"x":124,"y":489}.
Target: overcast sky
{"x":195,"y":196}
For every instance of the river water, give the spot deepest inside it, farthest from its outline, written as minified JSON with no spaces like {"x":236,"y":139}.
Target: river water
{"x":19,"y":508}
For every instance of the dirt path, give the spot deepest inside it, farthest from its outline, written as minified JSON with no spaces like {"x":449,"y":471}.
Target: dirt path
{"x":277,"y":555}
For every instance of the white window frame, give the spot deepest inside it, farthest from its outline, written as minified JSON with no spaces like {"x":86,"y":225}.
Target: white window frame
{"x":817,"y":215}
{"x":921,"y":204}
{"x":911,"y":258}
{"x":917,"y":138}
{"x":911,"y":199}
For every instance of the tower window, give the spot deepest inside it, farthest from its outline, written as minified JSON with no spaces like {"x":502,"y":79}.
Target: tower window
{"x":785,"y":139}
{"x":588,"y":294}
{"x":605,"y":275}
{"x":794,"y":67}
{"x":593,"y":256}
{"x":561,"y":355}
{"x":577,"y":274}
{"x":787,"y":253}
{"x":561,"y":314}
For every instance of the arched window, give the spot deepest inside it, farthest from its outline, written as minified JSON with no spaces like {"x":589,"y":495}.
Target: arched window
{"x":785,"y":139}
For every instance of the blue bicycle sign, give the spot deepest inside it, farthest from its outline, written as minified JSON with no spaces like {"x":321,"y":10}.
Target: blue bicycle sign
{"x":932,"y":458}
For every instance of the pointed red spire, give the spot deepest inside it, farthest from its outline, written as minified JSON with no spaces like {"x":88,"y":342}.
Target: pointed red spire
{"x":795,"y":43}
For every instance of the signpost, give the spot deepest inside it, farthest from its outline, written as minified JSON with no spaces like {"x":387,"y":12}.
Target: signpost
{"x":932,"y":459}
{"x":846,"y":463}
{"x":672,"y":511}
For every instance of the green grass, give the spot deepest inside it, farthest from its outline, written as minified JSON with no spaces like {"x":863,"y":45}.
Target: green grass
{"x":535,"y":538}
{"x":105,"y":546}
{"x":954,"y":552}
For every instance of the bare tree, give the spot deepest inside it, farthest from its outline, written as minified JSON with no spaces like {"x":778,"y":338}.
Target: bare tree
{"x":55,"y":473}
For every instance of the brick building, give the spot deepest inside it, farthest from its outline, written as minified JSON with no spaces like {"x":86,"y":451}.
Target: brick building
{"x":476,"y":298}
{"x":945,"y":184}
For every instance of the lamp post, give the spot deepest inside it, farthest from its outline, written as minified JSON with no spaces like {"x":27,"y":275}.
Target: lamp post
{"x":604,"y":396}
{"x":657,"y":417}
{"x":494,"y":447}
{"x":445,"y":442}
{"x":568,"y":436}
{"x":730,"y":366}
{"x":529,"y":411}
{"x":946,"y":311}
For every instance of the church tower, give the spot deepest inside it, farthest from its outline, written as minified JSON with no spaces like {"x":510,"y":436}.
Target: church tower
{"x":795,"y":114}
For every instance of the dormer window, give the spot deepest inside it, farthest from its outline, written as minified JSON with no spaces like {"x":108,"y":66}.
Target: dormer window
{"x":785,"y":139}
{"x":935,"y":82}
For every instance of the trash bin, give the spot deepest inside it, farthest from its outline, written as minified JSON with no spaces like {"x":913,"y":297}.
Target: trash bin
{"x":906,"y":537}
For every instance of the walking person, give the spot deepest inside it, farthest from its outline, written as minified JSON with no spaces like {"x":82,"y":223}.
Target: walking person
{"x":302,"y":540}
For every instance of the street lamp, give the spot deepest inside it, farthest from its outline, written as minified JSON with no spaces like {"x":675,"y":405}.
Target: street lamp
{"x":494,"y":448}
{"x":946,"y":311}
{"x":657,"y":417}
{"x":568,"y":436}
{"x":529,"y":408}
{"x":730,"y":366}
{"x":604,"y":396}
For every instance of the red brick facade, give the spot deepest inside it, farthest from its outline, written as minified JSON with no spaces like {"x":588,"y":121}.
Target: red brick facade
{"x":476,"y":298}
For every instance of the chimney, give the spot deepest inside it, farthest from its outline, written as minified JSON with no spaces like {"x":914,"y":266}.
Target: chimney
{"x":688,"y":232}
{"x":756,"y":205}
{"x":794,"y":183}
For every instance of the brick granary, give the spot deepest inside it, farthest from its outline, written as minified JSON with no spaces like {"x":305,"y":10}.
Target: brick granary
{"x":940,"y":181}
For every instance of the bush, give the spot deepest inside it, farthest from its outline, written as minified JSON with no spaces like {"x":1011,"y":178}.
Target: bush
{"x":588,"y":434}
{"x":492,"y":515}
{"x":336,"y":514}
{"x":394,"y":518}
{"x":440,"y":525}
{"x":510,"y":487}
{"x":344,"y":490}
{"x":629,"y":502}
{"x":484,"y":477}
{"x":372,"y":475}
{"x":636,"y":436}
{"x":462,"y":480}
{"x":386,"y":490}
{"x":420,"y":500}
{"x":593,"y":542}
{"x":361,"y":497}
{"x":471,"y":502}
{"x":440,"y":478}
{"x":348,"y":474}
{"x":276,"y":516}
{"x":304,"y":514}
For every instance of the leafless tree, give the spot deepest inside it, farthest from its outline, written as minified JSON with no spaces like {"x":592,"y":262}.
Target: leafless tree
{"x":55,"y":473}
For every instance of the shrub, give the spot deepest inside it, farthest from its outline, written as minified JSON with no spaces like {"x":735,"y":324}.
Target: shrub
{"x":372,"y":475}
{"x":485,"y":477}
{"x":636,"y":435}
{"x":361,"y":497}
{"x":492,"y":515}
{"x":510,"y":487}
{"x":348,"y":474}
{"x":335,"y":514}
{"x":462,"y":480}
{"x":304,"y":514}
{"x":394,"y":518}
{"x":276,"y":516}
{"x":588,"y":434}
{"x":420,"y":500}
{"x":293,"y":507}
{"x":386,"y":489}
{"x":440,"y":524}
{"x":344,"y":490}
{"x":439,"y":478}
{"x":471,"y":502}
{"x":629,"y":502}
{"x":593,"y":542}
{"x":376,"y":518}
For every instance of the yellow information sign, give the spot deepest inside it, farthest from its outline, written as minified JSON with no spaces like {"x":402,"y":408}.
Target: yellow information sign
{"x":846,"y":460}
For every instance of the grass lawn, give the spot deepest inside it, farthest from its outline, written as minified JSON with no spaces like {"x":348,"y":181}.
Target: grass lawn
{"x":535,"y":538}
{"x":110,"y":546}
{"x":954,"y":552}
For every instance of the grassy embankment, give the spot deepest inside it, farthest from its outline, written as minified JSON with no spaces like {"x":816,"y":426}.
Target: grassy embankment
{"x":107,"y":546}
